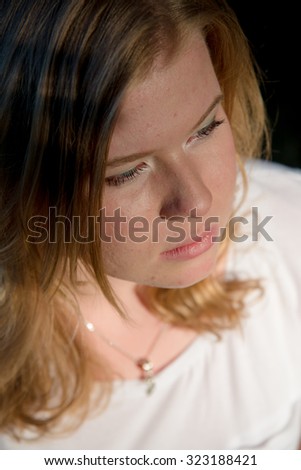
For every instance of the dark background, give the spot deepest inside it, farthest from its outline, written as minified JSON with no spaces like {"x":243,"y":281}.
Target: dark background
{"x":274,"y":35}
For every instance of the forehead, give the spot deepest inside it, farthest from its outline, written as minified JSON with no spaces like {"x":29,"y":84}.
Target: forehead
{"x":180,"y":90}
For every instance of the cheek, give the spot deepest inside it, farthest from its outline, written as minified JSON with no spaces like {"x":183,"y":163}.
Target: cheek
{"x":222,"y":169}
{"x":126,"y":256}
{"x":228,"y":173}
{"x":230,"y":167}
{"x":127,"y":225}
{"x":222,"y":175}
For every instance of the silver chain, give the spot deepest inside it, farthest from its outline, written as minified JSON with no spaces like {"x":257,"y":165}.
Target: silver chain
{"x":143,"y":363}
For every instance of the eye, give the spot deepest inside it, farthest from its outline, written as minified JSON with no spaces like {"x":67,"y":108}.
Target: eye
{"x":129,"y":175}
{"x":207,"y":130}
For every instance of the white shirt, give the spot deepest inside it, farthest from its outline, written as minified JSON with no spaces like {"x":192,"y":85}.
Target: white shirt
{"x":243,"y":392}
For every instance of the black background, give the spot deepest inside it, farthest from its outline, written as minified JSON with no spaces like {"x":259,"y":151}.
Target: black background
{"x":274,"y":35}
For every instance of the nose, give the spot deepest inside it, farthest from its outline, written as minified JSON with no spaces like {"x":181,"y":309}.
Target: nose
{"x":186,"y":193}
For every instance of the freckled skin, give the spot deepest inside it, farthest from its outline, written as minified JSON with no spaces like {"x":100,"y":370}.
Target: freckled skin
{"x":180,"y":173}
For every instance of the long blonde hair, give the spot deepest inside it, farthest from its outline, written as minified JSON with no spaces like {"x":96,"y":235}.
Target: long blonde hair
{"x":65,"y":68}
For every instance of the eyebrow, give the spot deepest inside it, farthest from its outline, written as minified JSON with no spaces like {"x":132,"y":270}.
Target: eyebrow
{"x":118,"y":161}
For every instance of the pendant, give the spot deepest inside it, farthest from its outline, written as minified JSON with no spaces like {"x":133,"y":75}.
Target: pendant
{"x":147,"y":369}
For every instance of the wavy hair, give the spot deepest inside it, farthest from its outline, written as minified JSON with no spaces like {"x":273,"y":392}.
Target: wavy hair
{"x":65,"y":66}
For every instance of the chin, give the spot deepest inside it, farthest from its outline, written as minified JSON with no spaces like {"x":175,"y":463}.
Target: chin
{"x":169,"y":275}
{"x":183,"y":283}
{"x":182,"y":278}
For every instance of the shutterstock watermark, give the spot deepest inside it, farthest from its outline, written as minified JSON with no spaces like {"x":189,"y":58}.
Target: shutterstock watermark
{"x":139,"y":229}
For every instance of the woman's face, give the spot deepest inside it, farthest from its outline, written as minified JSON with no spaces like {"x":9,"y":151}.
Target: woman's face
{"x":170,"y":175}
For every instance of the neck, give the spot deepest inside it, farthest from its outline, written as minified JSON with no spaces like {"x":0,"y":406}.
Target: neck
{"x":133,"y":334}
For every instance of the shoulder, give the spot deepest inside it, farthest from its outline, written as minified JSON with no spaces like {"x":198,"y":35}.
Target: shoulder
{"x":271,"y":225}
{"x":277,"y":184}
{"x":274,"y":192}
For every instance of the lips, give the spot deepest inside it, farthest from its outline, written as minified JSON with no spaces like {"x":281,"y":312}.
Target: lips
{"x":191,"y":249}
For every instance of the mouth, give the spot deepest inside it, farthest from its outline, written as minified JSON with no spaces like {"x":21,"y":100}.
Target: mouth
{"x":190,"y":250}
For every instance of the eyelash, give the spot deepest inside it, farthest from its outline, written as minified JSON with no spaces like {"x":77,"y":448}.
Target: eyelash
{"x":210,"y":128}
{"x":131,"y":174}
{"x":126,"y":176}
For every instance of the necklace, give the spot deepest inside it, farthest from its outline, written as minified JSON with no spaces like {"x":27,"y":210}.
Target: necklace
{"x":144,"y":363}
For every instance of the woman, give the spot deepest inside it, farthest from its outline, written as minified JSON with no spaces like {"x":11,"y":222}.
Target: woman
{"x":137,"y":290}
